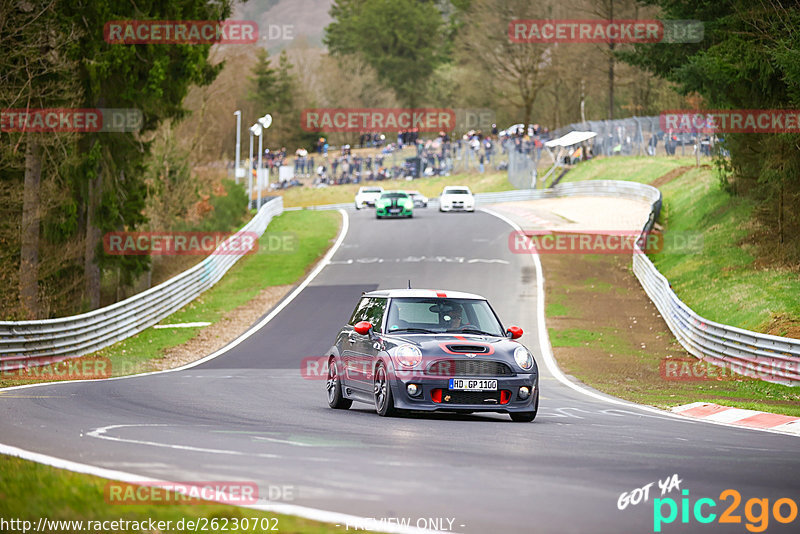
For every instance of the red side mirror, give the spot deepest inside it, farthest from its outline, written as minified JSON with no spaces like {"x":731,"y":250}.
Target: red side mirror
{"x":515,"y":331}
{"x":362,"y":327}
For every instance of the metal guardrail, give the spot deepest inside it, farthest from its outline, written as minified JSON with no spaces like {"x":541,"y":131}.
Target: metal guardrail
{"x":32,"y":343}
{"x":594,"y":188}
{"x":771,"y":358}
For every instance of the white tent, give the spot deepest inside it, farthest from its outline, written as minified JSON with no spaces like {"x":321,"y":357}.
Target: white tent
{"x":575,"y":137}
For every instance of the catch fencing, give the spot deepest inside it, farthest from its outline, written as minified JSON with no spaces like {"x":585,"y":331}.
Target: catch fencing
{"x":33,"y":343}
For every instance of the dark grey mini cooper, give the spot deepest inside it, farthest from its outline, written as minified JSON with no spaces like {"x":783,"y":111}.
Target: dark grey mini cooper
{"x":426,"y":350}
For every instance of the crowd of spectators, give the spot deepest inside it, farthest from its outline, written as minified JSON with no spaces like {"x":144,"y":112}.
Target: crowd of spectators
{"x":412,"y":156}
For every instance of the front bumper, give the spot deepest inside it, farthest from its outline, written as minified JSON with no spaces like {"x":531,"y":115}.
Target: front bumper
{"x":427,"y":383}
{"x":458,"y":207}
{"x":386,"y":212}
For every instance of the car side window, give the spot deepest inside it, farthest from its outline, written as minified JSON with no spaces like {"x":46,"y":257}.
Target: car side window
{"x":369,"y":309}
{"x":375,"y":310}
{"x":360,"y":313}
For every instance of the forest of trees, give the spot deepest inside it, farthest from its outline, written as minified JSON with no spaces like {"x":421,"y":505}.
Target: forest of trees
{"x":60,"y":192}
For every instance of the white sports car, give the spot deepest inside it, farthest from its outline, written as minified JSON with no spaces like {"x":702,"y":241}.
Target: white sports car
{"x":367,"y":196}
{"x":456,"y":198}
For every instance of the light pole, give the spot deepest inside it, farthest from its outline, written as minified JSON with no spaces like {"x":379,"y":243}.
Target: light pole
{"x":263,"y":123}
{"x":254,"y":130}
{"x":258,"y":171}
{"x":238,"y":114}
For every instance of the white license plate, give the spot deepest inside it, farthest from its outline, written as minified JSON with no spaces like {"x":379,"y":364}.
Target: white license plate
{"x":473,"y":384}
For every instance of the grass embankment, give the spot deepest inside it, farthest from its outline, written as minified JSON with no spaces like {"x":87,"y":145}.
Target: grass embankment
{"x":642,"y":169}
{"x":29,"y":491}
{"x":428,"y":186}
{"x":625,"y":352}
{"x":726,"y":282}
{"x":309,"y":234}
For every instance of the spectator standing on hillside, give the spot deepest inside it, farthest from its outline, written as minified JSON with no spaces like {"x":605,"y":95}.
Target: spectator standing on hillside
{"x":488,"y":148}
{"x":652,"y":144}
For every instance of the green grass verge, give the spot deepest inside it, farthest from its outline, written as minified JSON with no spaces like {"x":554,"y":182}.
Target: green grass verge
{"x":641,"y":380}
{"x":724,"y":282}
{"x":642,"y":169}
{"x":430,"y":187}
{"x":30,"y":491}
{"x":311,"y":232}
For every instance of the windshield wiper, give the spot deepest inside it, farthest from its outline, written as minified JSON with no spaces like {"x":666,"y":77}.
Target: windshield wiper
{"x":422,"y":330}
{"x":472,"y":331}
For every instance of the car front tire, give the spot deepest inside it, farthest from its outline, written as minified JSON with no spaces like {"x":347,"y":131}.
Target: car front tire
{"x":334,"y":386}
{"x":384,"y":402}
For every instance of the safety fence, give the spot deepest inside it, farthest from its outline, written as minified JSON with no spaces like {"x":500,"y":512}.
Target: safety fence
{"x":33,"y":343}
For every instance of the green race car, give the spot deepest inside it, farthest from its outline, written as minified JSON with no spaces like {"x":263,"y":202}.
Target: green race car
{"x":394,"y":204}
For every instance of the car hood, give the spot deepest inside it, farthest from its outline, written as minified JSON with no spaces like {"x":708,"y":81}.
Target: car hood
{"x":455,"y":344}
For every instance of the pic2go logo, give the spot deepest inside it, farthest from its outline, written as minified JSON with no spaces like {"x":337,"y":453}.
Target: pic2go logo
{"x":756,"y":511}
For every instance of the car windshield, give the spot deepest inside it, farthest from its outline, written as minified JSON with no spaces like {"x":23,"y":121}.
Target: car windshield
{"x":371,"y":190}
{"x":456,"y":192}
{"x":441,"y":315}
{"x":394,"y":195}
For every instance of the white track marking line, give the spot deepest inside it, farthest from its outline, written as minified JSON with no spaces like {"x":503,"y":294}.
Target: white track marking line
{"x":314,"y":514}
{"x":100,"y":433}
{"x":552,"y":366}
{"x":291,"y":509}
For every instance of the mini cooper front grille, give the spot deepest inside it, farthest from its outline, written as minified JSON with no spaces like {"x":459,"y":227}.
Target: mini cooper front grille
{"x":468,"y":349}
{"x":469,"y":368}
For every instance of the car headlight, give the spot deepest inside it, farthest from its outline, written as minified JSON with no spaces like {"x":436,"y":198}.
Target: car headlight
{"x":407,"y":355}
{"x":523,"y":357}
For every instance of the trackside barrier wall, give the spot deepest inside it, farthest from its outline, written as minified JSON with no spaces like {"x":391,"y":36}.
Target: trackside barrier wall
{"x":32,"y":343}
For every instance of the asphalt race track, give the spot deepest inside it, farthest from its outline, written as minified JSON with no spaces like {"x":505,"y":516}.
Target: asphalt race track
{"x":249,"y":415}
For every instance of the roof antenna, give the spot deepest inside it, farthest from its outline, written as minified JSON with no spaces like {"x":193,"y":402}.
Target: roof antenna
{"x":409,"y":284}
